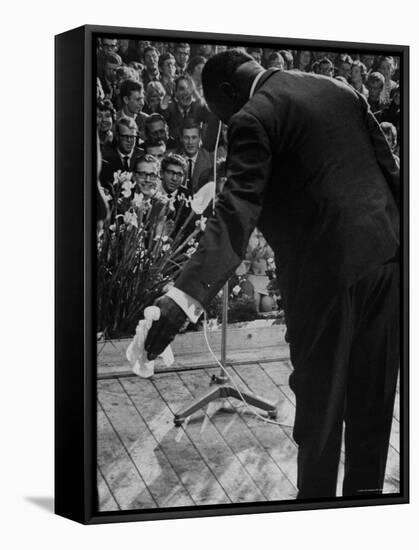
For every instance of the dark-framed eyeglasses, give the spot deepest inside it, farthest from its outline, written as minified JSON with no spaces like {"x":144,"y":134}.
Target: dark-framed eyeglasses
{"x":152,"y":176}
{"x":174,"y":173}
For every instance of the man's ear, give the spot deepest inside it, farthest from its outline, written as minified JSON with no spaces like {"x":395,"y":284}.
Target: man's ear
{"x":228,"y":90}
{"x":125,"y":100}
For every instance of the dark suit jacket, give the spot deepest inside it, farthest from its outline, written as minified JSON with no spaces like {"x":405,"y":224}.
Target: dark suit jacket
{"x":308,"y":164}
{"x":198,"y":112}
{"x":111,"y":162}
{"x":203,"y":166}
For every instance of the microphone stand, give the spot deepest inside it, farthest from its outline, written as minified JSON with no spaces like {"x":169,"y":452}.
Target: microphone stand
{"x":220,"y":388}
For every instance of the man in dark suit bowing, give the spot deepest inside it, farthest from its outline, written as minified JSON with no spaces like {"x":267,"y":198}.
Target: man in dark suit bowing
{"x":309,"y":166}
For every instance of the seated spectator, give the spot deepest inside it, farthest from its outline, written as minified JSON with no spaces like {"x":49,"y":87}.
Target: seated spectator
{"x":369,"y":61}
{"x":131,"y":94}
{"x":105,"y":119}
{"x":156,"y":129}
{"x":167,"y":67}
{"x":375,"y":85}
{"x":390,"y":132}
{"x":127,"y":50}
{"x":151,"y":69}
{"x":204,"y":50}
{"x":288,"y":59}
{"x":182,"y":53}
{"x":326,"y":67}
{"x":198,"y":159}
{"x":358,"y":77}
{"x":111,"y":62}
{"x":141,"y":46}
{"x":392,"y":112}
{"x":173,"y":175}
{"x":154,"y":97}
{"x":256,"y":53}
{"x":343,"y":66}
{"x":386,"y":67}
{"x":303,"y":61}
{"x":184,"y":106}
{"x":155,"y":148}
{"x":194,"y":69}
{"x":109,"y":45}
{"x":146,"y":175}
{"x":122,"y":154}
{"x":276,"y":60}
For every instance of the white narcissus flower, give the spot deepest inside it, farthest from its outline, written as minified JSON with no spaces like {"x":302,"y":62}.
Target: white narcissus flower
{"x":165,"y":247}
{"x":138,"y":199}
{"x":236,"y":290}
{"x":190,"y":251}
{"x":130,"y":219}
{"x":127,"y":186}
{"x":201,"y":223}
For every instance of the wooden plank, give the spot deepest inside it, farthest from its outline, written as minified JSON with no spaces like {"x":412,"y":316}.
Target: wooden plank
{"x":118,"y":469}
{"x":143,"y":449}
{"x":267,"y":475}
{"x":235,"y":480}
{"x":182,"y":454}
{"x":107,"y":503}
{"x":278,"y":371}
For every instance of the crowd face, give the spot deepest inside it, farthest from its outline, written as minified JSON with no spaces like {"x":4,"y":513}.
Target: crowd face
{"x":184,"y":93}
{"x":344,"y":69}
{"x":374,"y":88}
{"x":110,"y":71}
{"x":153,"y":100}
{"x":191,"y":141}
{"x":356,"y":74}
{"x":151,"y":60}
{"x":368,"y":61}
{"x":157,"y":151}
{"x":277,"y":63}
{"x":305,"y":58}
{"x":386,"y":68}
{"x":326,"y":69}
{"x":126,"y":138}
{"x":104,"y":121}
{"x":182,"y":56}
{"x":147,"y":177}
{"x":169,"y":68}
{"x":134,"y":102}
{"x":172,"y":178}
{"x":157,"y":131}
{"x":109,"y":45}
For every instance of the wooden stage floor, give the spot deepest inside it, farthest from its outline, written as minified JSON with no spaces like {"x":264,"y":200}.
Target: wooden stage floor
{"x":223,"y":454}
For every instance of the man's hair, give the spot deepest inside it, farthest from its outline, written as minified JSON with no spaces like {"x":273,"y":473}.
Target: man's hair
{"x":127,"y":122}
{"x":188,"y":79}
{"x":106,"y":105}
{"x":155,"y":86}
{"x":182,"y":45}
{"x":173,"y":158}
{"x":325,"y":61}
{"x":376,"y":77}
{"x":274,"y":56}
{"x":164,"y":57}
{"x":128,"y":86}
{"x":150,"y":49}
{"x":153,"y":143}
{"x":221,"y":68}
{"x":144,"y":158}
{"x":197,"y":60}
{"x":344,"y":58}
{"x":190,"y":124}
{"x":155,"y":117}
{"x":389,"y":128}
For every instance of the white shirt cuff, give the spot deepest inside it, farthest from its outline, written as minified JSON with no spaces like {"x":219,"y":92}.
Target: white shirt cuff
{"x":190,"y":306}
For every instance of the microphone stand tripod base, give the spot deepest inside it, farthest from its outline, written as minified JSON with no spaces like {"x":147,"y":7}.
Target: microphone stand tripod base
{"x":220,"y":389}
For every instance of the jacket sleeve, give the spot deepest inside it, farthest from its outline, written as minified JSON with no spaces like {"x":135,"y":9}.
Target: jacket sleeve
{"x":386,"y":160}
{"x":223,"y":244}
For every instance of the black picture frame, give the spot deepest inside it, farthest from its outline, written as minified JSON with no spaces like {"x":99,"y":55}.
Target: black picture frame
{"x":75,"y":242}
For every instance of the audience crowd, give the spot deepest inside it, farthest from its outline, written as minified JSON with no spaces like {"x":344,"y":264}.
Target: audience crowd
{"x":153,"y":122}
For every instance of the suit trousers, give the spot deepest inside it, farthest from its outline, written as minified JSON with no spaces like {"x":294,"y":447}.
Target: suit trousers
{"x":346,"y":358}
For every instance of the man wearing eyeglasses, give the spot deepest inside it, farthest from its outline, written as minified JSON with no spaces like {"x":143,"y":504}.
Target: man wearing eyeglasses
{"x":121,"y":156}
{"x":146,"y":175}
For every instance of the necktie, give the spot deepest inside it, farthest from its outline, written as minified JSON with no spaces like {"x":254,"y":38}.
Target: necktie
{"x":126,"y":163}
{"x":190,"y":175}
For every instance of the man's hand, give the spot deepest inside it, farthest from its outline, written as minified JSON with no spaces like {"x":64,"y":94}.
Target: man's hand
{"x":163,"y":331}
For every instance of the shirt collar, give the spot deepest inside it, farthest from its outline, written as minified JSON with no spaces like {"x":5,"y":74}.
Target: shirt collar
{"x":255,"y":83}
